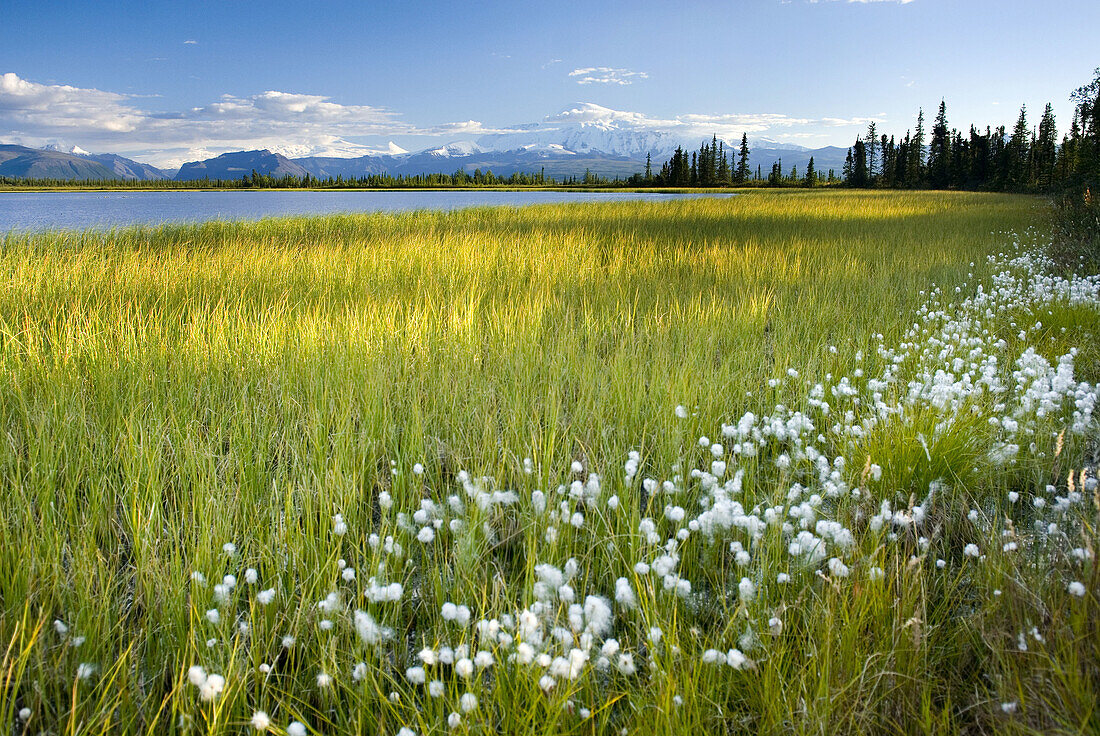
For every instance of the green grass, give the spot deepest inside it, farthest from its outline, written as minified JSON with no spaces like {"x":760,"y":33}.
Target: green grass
{"x":165,"y":391}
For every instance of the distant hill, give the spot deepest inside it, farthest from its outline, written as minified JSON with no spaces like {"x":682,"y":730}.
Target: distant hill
{"x":76,"y":165}
{"x":238,"y":164}
{"x":33,"y":163}
{"x":556,"y":162}
{"x":125,"y":168}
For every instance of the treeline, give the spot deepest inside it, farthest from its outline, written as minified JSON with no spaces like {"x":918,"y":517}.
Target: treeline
{"x":710,"y":166}
{"x":1027,"y":159}
{"x":1030,"y":158}
{"x":459,"y":179}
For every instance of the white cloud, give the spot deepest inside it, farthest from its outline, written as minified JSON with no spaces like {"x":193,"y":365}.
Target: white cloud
{"x":606,"y":75}
{"x":59,"y":107}
{"x":35,"y":114}
{"x":190,"y":42}
{"x":845,"y":122}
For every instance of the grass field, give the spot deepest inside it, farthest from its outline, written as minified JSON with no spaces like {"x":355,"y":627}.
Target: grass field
{"x":790,"y":462}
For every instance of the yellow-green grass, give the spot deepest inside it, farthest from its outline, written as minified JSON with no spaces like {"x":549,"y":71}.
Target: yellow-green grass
{"x":164,"y":391}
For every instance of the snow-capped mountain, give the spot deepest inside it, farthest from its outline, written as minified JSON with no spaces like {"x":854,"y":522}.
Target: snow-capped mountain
{"x":589,"y":128}
{"x":455,"y":149}
{"x":72,"y":163}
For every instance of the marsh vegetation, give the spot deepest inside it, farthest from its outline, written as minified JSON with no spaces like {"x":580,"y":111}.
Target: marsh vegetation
{"x":788,"y":462}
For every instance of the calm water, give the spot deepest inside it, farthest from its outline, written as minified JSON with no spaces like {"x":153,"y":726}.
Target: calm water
{"x":80,"y":210}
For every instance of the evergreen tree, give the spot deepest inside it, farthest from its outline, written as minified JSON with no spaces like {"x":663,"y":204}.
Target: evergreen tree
{"x":723,"y":165}
{"x":1017,"y":152}
{"x":871,"y":144}
{"x":901,"y":166}
{"x":1086,"y":144}
{"x":648,"y":169}
{"x":960,"y":160}
{"x":776,"y":177}
{"x":978,"y":165}
{"x":998,"y":168}
{"x":939,"y":175}
{"x":859,"y":165}
{"x":712,"y":161}
{"x":914,"y":169}
{"x":1045,"y":150}
{"x":886,"y":153}
{"x":743,"y":162}
{"x":811,"y":174}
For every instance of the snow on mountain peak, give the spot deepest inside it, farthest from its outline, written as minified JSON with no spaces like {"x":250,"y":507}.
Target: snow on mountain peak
{"x":60,"y":148}
{"x":585,"y":127}
{"x":458,"y":148}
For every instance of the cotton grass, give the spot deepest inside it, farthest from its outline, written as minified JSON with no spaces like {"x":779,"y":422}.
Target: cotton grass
{"x":652,"y":475}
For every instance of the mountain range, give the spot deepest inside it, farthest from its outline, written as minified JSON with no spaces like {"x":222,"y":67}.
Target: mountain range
{"x":605,"y":146}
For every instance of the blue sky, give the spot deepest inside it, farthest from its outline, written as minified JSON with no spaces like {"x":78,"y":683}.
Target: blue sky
{"x":173,"y":81}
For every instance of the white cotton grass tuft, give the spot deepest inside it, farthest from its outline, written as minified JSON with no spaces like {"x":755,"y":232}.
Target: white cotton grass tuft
{"x":736,"y":659}
{"x":211,"y":688}
{"x":1076,"y":588}
{"x":296,"y":728}
{"x":260,"y":721}
{"x":464,"y":668}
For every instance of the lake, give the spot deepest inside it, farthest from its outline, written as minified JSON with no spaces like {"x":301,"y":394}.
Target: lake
{"x":81,"y":210}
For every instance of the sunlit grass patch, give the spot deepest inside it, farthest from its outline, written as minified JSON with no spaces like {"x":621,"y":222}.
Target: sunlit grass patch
{"x":747,"y":463}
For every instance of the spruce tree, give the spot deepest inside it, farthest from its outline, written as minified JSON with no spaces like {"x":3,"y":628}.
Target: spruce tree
{"x":859,"y":164}
{"x":914,"y":174}
{"x":871,"y":143}
{"x":743,"y":161}
{"x":1017,"y":151}
{"x":939,"y":175}
{"x":1046,"y":149}
{"x":1086,"y":145}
